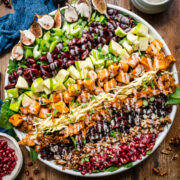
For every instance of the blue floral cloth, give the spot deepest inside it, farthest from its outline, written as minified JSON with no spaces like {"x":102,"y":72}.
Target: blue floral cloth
{"x":22,"y":18}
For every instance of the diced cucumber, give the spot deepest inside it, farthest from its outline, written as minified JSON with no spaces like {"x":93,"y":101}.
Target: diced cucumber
{"x":62,"y":75}
{"x":124,"y":55}
{"x":127,"y":47}
{"x":47,"y":90}
{"x":143,"y":43}
{"x":108,"y":63}
{"x":79,"y":65}
{"x":22,"y":83}
{"x":16,"y":103}
{"x":12,"y":93}
{"x":26,"y":100}
{"x":48,"y":83}
{"x":31,"y":94}
{"x":105,"y":50}
{"x":74,"y":72}
{"x":37,"y":85}
{"x":83,"y":74}
{"x":69,"y":81}
{"x":131,"y":38}
{"x":88,"y":64}
{"x":95,"y":54}
{"x":140,"y":30}
{"x":92,"y":59}
{"x":59,"y":87}
{"x":120,"y":32}
{"x":136,"y":45}
{"x":115,"y":48}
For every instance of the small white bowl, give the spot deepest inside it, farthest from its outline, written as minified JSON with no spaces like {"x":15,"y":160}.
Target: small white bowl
{"x":148,"y":7}
{"x":14,"y":145}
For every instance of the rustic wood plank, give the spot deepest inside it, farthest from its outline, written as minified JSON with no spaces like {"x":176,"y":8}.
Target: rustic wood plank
{"x":167,"y":24}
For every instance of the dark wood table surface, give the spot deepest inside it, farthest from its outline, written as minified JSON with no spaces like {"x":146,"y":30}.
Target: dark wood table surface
{"x":168,"y":25}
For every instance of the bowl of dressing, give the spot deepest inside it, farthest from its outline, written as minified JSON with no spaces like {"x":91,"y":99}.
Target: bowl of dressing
{"x":152,"y":6}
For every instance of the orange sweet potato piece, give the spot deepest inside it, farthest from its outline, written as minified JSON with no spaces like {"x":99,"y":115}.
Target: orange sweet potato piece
{"x":67,"y":98}
{"x":159,"y":62}
{"x":74,"y":89}
{"x":60,"y":106}
{"x":133,"y":60}
{"x":123,"y":77}
{"x":24,"y":110}
{"x":34,"y":108}
{"x":56,"y":97}
{"x":113,"y":70}
{"x":89,"y":84}
{"x":103,"y":74}
{"x":43,"y":113}
{"x":147,"y":63}
{"x":154,"y":48}
{"x":124,"y":66}
{"x":137,"y":71}
{"x":169,"y":59}
{"x":109,"y":85}
{"x":80,"y":83}
{"x":92,"y":75}
{"x":16,"y":119}
{"x":84,"y":97}
{"x":98,"y":90}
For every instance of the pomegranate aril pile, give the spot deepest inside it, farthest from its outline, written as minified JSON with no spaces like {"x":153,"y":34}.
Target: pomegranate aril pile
{"x":8,"y":159}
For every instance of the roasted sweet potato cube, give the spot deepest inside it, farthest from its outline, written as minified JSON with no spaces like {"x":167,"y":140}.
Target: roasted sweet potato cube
{"x":67,"y":98}
{"x":89,"y":84}
{"x":133,"y":60}
{"x":84,"y":97}
{"x":43,"y":113}
{"x":137,"y":71}
{"x":113,"y":70}
{"x":109,"y":85}
{"x":92,"y":75}
{"x":154,"y":48}
{"x":159,"y":62}
{"x":80,"y":83}
{"x":98,"y":90}
{"x":34,"y":108}
{"x":24,"y":110}
{"x":124,"y":66}
{"x":74,"y":89}
{"x":56,"y":97}
{"x":169,"y":59}
{"x":147,"y":63}
{"x":123,"y":77}
{"x":60,"y":106}
{"x":16,"y":119}
{"x":103,"y":74}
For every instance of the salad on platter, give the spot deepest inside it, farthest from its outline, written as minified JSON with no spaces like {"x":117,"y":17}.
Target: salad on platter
{"x":89,"y":87}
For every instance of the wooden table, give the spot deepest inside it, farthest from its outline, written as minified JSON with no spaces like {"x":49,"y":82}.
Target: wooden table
{"x":168,"y":25}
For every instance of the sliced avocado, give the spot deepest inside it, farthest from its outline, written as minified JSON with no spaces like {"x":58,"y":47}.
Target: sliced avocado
{"x":74,"y":73}
{"x":12,"y":93}
{"x":26,"y":100}
{"x":36,"y":52}
{"x":105,"y":50}
{"x":31,"y":94}
{"x":127,"y":47}
{"x":120,"y":32}
{"x":124,"y":55}
{"x":37,"y":85}
{"x":48,"y":83}
{"x":69,"y":81}
{"x":115,"y":48}
{"x":59,"y":87}
{"x":131,"y":38}
{"x":22,"y":83}
{"x":143,"y":43}
{"x":62,"y":75}
{"x":108,"y":63}
{"x":88,"y":64}
{"x":16,"y":103}
{"x":140,"y":30}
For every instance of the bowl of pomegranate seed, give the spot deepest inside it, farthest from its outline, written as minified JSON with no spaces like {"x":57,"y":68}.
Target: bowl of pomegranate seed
{"x":11,"y":158}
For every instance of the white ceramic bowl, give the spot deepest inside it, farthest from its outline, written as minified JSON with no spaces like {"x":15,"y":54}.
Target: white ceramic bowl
{"x":150,"y":7}
{"x":14,"y":145}
{"x":161,"y":136}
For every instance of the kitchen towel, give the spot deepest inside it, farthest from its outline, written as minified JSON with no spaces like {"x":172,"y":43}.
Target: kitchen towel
{"x":22,"y":18}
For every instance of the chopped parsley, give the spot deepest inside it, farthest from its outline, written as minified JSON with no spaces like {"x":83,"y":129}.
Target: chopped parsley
{"x":77,"y":91}
{"x":93,"y":98}
{"x":84,"y":105}
{"x":74,"y":142}
{"x":152,"y":99}
{"x":95,"y":36}
{"x":55,"y":111}
{"x":92,"y":111}
{"x":152,"y":84}
{"x":72,"y":102}
{"x":145,"y":103}
{"x":144,"y":84}
{"x":148,"y":152}
{"x":72,"y":113}
{"x":85,"y":159}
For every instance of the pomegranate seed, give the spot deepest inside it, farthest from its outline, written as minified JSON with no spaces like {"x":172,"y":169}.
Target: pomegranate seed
{"x":36,"y":171}
{"x":30,"y":164}
{"x":27,"y":172}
